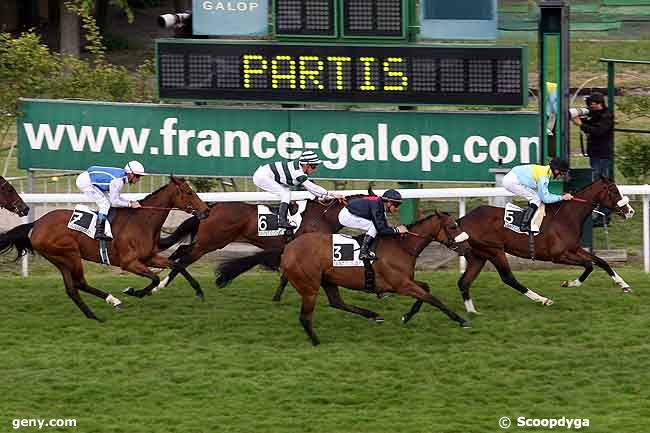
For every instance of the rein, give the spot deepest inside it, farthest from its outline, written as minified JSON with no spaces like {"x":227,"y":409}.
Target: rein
{"x":159,"y":208}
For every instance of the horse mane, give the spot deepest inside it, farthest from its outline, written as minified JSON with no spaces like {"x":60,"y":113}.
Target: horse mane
{"x":161,"y":188}
{"x":421,"y":220}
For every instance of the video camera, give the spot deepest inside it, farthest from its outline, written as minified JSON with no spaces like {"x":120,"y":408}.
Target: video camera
{"x":179,"y":20}
{"x":578,"y":112}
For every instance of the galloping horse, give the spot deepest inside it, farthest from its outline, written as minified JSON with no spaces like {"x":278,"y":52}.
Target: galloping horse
{"x":307,"y":263}
{"x":237,"y":222}
{"x":10,"y":200}
{"x":134,"y":248}
{"x":558,"y":241}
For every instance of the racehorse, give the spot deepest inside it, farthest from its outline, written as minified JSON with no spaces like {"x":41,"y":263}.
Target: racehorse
{"x":307,"y":263}
{"x":558,"y":241}
{"x":10,"y":200}
{"x":134,"y":248}
{"x":237,"y":222}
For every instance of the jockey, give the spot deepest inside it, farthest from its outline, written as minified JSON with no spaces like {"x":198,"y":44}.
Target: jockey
{"x":103,"y":185}
{"x":369,"y":214}
{"x":278,"y":177}
{"x":531,"y":182}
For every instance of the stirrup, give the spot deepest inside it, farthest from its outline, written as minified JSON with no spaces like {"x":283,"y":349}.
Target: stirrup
{"x":367,"y":255}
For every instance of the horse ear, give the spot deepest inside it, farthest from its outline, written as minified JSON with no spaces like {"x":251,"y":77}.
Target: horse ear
{"x":174,"y":179}
{"x":370,"y":191}
{"x":437,"y":212}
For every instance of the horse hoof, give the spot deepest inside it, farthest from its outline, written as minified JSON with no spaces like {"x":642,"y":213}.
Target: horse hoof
{"x":627,"y":289}
{"x":405,"y":319}
{"x":548,"y":302}
{"x":129,"y":291}
{"x":564,"y":283}
{"x":465,"y":324}
{"x":118,"y":307}
{"x":379,"y":319}
{"x":276,"y":299}
{"x":200,"y":296}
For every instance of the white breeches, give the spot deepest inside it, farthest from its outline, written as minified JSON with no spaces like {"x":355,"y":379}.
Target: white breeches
{"x":348,"y":219}
{"x":511,"y":183}
{"x":93,"y":193}
{"x":263,"y":179}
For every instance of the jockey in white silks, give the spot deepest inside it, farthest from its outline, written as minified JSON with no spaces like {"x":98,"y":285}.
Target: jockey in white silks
{"x":279,"y":177}
{"x":103,"y":185}
{"x":531,"y":182}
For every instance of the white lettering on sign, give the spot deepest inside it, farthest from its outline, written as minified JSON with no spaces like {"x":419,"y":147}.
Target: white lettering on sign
{"x":229,"y":6}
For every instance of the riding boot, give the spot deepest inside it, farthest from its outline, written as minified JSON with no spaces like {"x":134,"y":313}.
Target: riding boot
{"x":365,"y":253}
{"x":527,"y":217}
{"x":283,"y":222}
{"x":100,"y":229}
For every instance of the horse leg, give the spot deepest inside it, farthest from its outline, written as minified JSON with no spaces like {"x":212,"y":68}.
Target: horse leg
{"x":306,"y":316}
{"x":474,"y":267}
{"x":336,"y":301}
{"x":72,"y":290}
{"x":277,"y":297}
{"x":415,"y":308}
{"x":180,"y":267}
{"x":602,"y":264}
{"x":139,"y":268}
{"x":110,"y":299}
{"x":499,"y":261}
{"x":416,"y":291}
{"x":572,"y":258}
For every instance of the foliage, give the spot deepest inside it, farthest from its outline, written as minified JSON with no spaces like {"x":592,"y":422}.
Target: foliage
{"x":29,"y":70}
{"x":633,"y":158}
{"x":203,"y":184}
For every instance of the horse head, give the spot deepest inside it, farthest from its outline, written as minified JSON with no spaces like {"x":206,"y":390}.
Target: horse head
{"x":10,"y":200}
{"x":442,"y":228}
{"x":187,"y":200}
{"x":606,"y":194}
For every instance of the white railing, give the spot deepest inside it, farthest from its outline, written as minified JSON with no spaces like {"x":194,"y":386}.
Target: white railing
{"x":460,"y":194}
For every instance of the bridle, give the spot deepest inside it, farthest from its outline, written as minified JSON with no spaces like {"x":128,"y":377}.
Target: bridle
{"x":5,"y":186}
{"x":612,"y":192}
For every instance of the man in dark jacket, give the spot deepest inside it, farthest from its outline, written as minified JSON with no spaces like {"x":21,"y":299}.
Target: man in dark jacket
{"x":369,"y":214}
{"x":598,"y":125}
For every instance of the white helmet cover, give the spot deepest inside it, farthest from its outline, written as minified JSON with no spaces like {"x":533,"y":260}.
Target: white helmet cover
{"x":135,"y":167}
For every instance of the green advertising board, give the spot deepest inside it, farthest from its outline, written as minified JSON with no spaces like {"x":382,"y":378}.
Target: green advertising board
{"x":203,"y":141}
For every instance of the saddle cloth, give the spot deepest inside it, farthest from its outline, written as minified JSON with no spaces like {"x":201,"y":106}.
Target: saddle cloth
{"x":345,"y":251}
{"x":84,"y":220}
{"x":267,"y":219}
{"x":513,"y":214}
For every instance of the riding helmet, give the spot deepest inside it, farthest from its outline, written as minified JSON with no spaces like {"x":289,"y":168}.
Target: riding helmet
{"x":135,"y":167}
{"x":392,"y":195}
{"x":560,"y":164}
{"x":309,"y":157}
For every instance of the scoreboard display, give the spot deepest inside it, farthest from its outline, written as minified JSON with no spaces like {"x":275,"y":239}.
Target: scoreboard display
{"x":305,"y":17}
{"x":335,"y":73}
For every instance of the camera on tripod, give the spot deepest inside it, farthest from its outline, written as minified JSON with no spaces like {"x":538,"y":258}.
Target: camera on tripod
{"x":179,"y":20}
{"x":578,"y":112}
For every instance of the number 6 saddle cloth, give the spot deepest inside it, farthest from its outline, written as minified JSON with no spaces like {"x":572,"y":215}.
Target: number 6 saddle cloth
{"x":267,"y":218}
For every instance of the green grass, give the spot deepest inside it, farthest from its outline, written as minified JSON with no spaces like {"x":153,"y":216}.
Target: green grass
{"x":239,"y":363}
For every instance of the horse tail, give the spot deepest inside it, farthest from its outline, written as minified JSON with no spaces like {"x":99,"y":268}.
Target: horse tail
{"x":189,"y":227}
{"x":231,"y":269}
{"x":18,"y":238}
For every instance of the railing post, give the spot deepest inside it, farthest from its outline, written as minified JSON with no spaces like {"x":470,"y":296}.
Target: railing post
{"x":28,"y":219}
{"x":646,"y":233}
{"x":462,"y":263}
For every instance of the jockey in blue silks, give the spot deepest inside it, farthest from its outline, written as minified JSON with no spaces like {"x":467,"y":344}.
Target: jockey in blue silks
{"x":103,"y":185}
{"x":531,"y":182}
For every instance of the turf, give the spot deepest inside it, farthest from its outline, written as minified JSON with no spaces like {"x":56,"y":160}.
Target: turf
{"x":239,"y":363}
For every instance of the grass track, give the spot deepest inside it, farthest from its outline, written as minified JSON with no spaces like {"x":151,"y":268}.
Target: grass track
{"x":238,"y":363}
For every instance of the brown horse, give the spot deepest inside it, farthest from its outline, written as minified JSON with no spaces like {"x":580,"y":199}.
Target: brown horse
{"x":558,"y":241}
{"x":134,"y":248}
{"x":10,"y":200}
{"x":237,"y":222}
{"x":307,"y":263}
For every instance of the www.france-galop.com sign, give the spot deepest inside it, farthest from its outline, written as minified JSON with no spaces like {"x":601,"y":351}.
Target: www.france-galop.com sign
{"x":201,"y":141}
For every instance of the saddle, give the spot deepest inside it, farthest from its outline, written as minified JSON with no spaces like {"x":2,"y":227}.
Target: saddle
{"x":345,"y":253}
{"x":267,"y":219}
{"x":512,"y":219}
{"x":84,"y":220}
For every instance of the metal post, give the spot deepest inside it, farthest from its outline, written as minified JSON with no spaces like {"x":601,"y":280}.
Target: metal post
{"x":28,"y":219}
{"x":611,"y":94}
{"x":646,"y":234}
{"x":462,"y":263}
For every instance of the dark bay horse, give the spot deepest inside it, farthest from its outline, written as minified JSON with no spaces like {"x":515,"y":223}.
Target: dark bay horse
{"x":10,"y":200}
{"x":237,"y":222}
{"x":307,"y":263}
{"x":558,"y":241}
{"x":134,"y":248}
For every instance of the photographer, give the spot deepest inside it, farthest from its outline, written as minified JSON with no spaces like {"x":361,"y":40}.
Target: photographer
{"x":598,"y":126}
